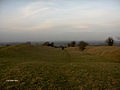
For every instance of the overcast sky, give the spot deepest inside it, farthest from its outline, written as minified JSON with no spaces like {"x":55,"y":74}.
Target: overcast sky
{"x":39,"y":20}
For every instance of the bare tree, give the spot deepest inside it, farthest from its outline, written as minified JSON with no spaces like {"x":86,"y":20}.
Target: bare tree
{"x":110,"y":41}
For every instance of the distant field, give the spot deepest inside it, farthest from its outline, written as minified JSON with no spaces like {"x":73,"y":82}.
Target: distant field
{"x":40,"y":67}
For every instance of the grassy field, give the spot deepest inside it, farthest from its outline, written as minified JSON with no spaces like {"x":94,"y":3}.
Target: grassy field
{"x":40,"y":67}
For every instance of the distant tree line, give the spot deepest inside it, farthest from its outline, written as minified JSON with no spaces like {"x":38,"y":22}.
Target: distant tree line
{"x":82,"y":44}
{"x":72,"y":44}
{"x":48,"y":44}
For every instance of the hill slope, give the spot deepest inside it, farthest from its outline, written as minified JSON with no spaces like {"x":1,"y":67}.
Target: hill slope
{"x":107,"y":51}
{"x":37,"y":67}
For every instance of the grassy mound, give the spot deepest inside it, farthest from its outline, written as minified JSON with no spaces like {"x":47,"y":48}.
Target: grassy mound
{"x":107,"y":51}
{"x":40,"y":67}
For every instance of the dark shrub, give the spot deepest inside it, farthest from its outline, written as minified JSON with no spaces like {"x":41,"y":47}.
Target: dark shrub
{"x":46,"y":44}
{"x":82,"y":45}
{"x":28,"y":42}
{"x":52,"y":44}
{"x":7,"y":45}
{"x":68,"y":45}
{"x":73,"y":43}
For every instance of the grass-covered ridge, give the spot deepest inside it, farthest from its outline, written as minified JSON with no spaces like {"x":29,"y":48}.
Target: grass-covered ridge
{"x":44,"y":67}
{"x":107,"y":51}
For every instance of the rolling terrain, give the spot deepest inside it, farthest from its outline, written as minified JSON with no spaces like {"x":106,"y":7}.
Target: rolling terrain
{"x":41,"y":67}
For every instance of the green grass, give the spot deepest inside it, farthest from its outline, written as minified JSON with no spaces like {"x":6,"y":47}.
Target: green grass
{"x":37,"y":67}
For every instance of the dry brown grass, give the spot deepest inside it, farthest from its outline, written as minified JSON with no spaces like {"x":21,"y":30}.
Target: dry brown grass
{"x":38,"y":67}
{"x":107,"y":51}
